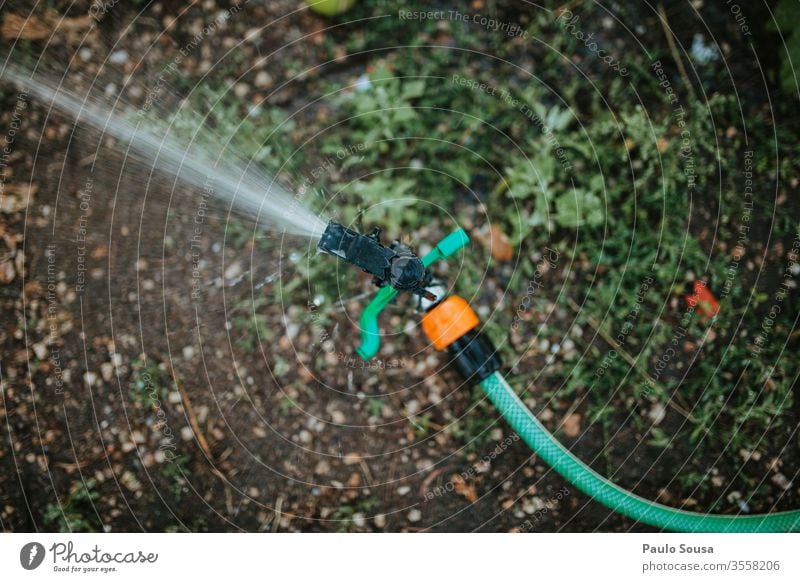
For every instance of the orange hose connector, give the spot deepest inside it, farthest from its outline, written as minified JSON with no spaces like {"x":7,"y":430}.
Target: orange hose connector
{"x":448,"y":321}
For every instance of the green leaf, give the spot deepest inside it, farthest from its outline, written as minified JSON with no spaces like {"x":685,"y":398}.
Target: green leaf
{"x":578,"y":208}
{"x":413,"y":89}
{"x":530,"y":177}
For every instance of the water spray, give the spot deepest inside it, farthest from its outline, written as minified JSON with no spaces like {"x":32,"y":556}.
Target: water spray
{"x":451,"y":324}
{"x":235,"y":182}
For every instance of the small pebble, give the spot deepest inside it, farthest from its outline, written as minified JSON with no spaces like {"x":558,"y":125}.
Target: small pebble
{"x":186,"y":433}
{"x":657,"y":413}
{"x":233,"y":271}
{"x":130,"y":481}
{"x":351,"y":458}
{"x":263,"y":79}
{"x":40,"y":350}
{"x":118,"y":57}
{"x":107,"y":371}
{"x":781,"y":481}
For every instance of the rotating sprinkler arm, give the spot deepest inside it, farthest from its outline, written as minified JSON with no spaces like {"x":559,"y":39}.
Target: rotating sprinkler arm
{"x":370,"y":332}
{"x":394,"y":268}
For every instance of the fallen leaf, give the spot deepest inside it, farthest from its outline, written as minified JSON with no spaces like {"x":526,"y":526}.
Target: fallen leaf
{"x":500,"y":245}
{"x":464,"y":489}
{"x":16,"y":26}
{"x":33,"y":288}
{"x":7,"y":271}
{"x":703,"y":300}
{"x":572,"y":425}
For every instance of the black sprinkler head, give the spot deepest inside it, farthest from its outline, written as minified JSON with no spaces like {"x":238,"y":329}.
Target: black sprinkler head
{"x":395,"y":265}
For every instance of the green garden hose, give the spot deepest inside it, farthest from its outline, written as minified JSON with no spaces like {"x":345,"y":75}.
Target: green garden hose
{"x":612,"y":496}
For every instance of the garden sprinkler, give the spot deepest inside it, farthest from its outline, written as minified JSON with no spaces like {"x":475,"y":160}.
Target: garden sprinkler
{"x":451,"y":324}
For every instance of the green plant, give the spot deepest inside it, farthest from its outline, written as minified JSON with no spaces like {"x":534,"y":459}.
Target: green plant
{"x":787,"y":21}
{"x":250,"y":324}
{"x":421,"y":424}
{"x":149,"y":383}
{"x":344,"y":514}
{"x":175,"y":472}
{"x":474,"y":428}
{"x":375,"y":406}
{"x":77,"y":513}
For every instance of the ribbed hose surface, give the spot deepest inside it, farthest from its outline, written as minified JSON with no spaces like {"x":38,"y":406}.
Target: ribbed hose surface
{"x":612,"y":496}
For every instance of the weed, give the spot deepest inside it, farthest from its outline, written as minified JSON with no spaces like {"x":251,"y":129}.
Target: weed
{"x":76,"y":514}
{"x":344,"y":514}
{"x":149,"y":384}
{"x":175,"y":472}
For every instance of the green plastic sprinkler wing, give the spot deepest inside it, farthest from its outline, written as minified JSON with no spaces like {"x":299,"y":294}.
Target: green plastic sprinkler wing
{"x":370,"y":332}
